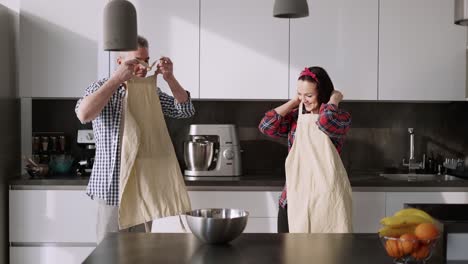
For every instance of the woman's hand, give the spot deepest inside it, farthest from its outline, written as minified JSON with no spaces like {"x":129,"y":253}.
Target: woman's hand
{"x":336,"y":97}
{"x":285,"y":108}
{"x":294,"y":102}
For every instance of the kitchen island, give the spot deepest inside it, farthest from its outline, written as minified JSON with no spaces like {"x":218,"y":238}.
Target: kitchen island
{"x":129,"y":248}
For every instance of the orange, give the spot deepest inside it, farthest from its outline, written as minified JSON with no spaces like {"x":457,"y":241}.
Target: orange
{"x":409,"y":243}
{"x":393,"y":248}
{"x":422,"y":252}
{"x":426,"y":231}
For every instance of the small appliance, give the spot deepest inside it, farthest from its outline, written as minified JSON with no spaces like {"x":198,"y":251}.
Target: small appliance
{"x":85,"y":140}
{"x":212,"y":151}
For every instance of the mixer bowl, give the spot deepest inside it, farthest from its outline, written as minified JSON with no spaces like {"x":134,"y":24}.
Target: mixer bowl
{"x":217,"y":225}
{"x":198,"y":155}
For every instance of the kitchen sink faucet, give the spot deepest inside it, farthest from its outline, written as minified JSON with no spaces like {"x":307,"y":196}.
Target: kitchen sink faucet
{"x":412,"y":164}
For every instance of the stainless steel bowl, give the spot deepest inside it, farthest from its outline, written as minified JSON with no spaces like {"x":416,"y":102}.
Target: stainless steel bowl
{"x":198,"y":155}
{"x":216,"y":225}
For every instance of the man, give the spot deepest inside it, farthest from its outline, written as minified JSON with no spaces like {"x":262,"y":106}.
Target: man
{"x":102,"y":104}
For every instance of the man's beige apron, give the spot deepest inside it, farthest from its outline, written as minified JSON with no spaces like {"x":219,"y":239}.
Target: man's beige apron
{"x":151,"y":183}
{"x":318,"y":189}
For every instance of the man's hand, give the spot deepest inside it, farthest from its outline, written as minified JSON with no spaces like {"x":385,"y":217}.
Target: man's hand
{"x":336,"y":97}
{"x":125,"y":71}
{"x":165,"y":67}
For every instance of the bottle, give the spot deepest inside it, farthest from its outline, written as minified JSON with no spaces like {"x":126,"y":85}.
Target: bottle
{"x":45,"y":144}
{"x":36,"y":145}
{"x":53,"y":144}
{"x":62,"y":143}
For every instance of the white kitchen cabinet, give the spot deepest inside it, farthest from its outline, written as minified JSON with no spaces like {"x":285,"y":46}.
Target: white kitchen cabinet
{"x":243,"y":50}
{"x":262,"y":208}
{"x":258,"y":204}
{"x":397,"y":200}
{"x":368,"y":209}
{"x":55,"y":216}
{"x":422,"y":53}
{"x":60,"y":50}
{"x":172,"y":29}
{"x":254,"y":225}
{"x":49,"y":255}
{"x":342,"y":37}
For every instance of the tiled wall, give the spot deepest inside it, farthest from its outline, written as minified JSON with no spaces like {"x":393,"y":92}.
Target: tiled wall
{"x":378,"y":138}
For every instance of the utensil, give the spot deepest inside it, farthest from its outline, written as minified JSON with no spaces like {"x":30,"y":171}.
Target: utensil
{"x":32,"y":162}
{"x":199,"y":154}
{"x":40,"y":170}
{"x":217,"y":225}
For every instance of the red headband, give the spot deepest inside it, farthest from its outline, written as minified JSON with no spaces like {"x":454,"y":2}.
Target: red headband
{"x":307,"y":72}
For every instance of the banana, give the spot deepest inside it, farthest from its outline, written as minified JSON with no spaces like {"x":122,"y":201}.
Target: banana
{"x":403,"y":220}
{"x":414,"y":211}
{"x":389,"y":231}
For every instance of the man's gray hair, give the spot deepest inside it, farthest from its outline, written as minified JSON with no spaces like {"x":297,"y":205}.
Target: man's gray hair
{"x":142,"y":42}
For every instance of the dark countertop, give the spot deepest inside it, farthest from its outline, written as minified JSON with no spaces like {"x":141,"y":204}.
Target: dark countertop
{"x":359,"y":182}
{"x":155,"y":248}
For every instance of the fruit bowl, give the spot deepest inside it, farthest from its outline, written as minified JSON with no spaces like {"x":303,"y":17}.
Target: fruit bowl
{"x":409,"y":249}
{"x":410,"y":236}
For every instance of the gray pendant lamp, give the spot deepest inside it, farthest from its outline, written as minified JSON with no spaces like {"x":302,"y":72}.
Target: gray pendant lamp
{"x":290,"y":8}
{"x":461,"y":12}
{"x":120,"y":26}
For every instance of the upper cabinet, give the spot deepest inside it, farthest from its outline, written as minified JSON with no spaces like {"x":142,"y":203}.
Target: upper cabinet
{"x":243,"y":50}
{"x":60,"y":51}
{"x":394,"y":50}
{"x":172,"y":30}
{"x":422,"y":53}
{"x":342,"y":37}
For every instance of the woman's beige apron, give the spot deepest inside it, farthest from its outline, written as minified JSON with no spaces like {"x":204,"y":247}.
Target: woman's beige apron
{"x":151,"y":183}
{"x":318,"y":189}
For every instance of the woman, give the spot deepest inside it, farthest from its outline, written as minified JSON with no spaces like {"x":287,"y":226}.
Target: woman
{"x":316,"y":93}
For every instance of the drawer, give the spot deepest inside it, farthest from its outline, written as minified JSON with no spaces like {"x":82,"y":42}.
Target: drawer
{"x":49,"y":255}
{"x":52,"y":216}
{"x":258,"y":204}
{"x":254,"y":225}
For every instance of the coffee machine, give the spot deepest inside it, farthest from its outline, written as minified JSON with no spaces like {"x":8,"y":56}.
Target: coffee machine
{"x":85,"y":140}
{"x":212,"y":151}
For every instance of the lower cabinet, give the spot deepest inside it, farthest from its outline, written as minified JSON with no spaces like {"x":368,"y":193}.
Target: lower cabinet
{"x":368,"y":209}
{"x":262,"y":207}
{"x":254,"y":225}
{"x":49,"y":255}
{"x":396,"y":200}
{"x":55,"y":216}
{"x":51,"y":226}
{"x":59,"y":226}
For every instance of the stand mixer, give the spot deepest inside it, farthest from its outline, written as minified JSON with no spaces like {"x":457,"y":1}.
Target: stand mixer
{"x":212,"y":151}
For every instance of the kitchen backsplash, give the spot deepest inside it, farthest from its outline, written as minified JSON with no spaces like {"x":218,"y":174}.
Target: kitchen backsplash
{"x":378,"y":137}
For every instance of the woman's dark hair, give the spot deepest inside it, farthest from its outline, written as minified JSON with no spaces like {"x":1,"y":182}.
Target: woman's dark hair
{"x":324,"y":84}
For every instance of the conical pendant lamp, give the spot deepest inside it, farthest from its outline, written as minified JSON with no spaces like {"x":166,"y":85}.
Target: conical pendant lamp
{"x":461,"y":12}
{"x":290,"y":8}
{"x":120,"y":26}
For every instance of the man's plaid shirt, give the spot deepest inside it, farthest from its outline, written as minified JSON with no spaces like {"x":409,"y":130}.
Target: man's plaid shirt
{"x":333,"y":121}
{"x":104,"y":181}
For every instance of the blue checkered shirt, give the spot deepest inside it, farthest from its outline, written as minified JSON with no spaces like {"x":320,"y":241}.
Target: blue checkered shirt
{"x":104,"y":181}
